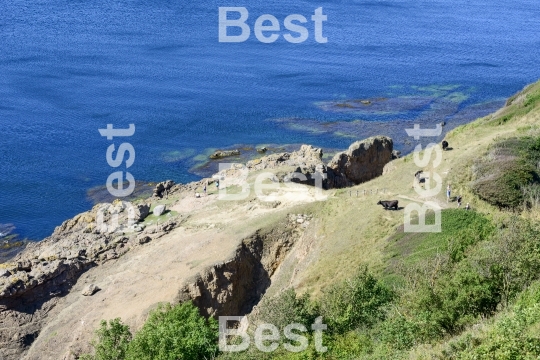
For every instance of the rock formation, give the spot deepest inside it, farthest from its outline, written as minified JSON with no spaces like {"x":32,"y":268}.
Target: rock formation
{"x":219,"y":154}
{"x":363,"y":161}
{"x":32,"y":282}
{"x":162,"y":188}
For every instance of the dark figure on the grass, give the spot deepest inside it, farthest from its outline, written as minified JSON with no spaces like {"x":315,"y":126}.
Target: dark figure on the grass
{"x":444,"y":145}
{"x":459,"y":201}
{"x":392,"y":204}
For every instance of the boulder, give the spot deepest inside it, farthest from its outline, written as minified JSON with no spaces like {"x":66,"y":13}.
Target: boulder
{"x":141,"y":211}
{"x":144,"y":239}
{"x":262,"y":150}
{"x":90,"y":290}
{"x":363,"y":161}
{"x":4,"y":273}
{"x":161,"y":187}
{"x":159,"y":210}
{"x":396,"y":154}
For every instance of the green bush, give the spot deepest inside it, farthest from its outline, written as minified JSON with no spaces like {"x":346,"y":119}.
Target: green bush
{"x":112,"y":341}
{"x":175,"y":333}
{"x":399,"y":332}
{"x":287,"y":308}
{"x":170,"y":333}
{"x":355,"y":303}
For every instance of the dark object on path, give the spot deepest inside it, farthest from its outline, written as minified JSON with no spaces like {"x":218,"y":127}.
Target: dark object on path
{"x":467,"y":207}
{"x":444,"y":145}
{"x":459,"y":201}
{"x":388,"y":204}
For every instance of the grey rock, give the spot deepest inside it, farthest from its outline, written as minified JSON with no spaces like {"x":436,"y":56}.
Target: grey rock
{"x":141,"y":211}
{"x":90,"y":290}
{"x":363,"y":161}
{"x":4,"y":273}
{"x":163,"y":188}
{"x":159,"y":210}
{"x":144,"y":239}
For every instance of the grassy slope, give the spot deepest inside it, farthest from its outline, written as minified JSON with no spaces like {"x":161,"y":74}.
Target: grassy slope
{"x":352,"y":230}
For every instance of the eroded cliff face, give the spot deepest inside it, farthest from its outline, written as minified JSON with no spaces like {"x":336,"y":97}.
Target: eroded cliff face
{"x":47,"y":316}
{"x":233,"y":287}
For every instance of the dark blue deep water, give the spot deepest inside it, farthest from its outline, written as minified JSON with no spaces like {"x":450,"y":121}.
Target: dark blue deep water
{"x":68,"y":68}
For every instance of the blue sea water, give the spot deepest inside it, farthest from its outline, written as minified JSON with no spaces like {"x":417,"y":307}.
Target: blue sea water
{"x":68,"y":68}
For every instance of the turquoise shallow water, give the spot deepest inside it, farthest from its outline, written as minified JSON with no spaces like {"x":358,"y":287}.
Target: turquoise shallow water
{"x":68,"y":68}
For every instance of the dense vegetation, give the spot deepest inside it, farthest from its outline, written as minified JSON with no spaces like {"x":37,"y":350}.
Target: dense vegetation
{"x":477,"y":270}
{"x":170,"y":333}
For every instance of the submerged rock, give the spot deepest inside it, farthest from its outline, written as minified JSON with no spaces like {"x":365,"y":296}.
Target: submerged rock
{"x":219,"y":154}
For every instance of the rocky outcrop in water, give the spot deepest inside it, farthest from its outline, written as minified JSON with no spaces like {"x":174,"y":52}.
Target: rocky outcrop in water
{"x":220,"y":154}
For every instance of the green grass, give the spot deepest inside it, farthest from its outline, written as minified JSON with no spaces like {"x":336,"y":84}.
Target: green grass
{"x":153,"y":219}
{"x":460,"y":229}
{"x":509,"y":165}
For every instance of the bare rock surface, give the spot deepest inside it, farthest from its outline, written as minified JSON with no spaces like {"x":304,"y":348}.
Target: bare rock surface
{"x":363,"y":161}
{"x":34,"y":281}
{"x":90,"y":290}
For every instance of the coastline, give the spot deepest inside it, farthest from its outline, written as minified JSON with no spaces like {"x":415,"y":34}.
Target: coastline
{"x":202,"y":248}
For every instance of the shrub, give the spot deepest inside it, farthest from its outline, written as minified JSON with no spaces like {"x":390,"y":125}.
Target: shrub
{"x":354,"y":303}
{"x":112,"y":341}
{"x":173,"y":333}
{"x":287,"y":308}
